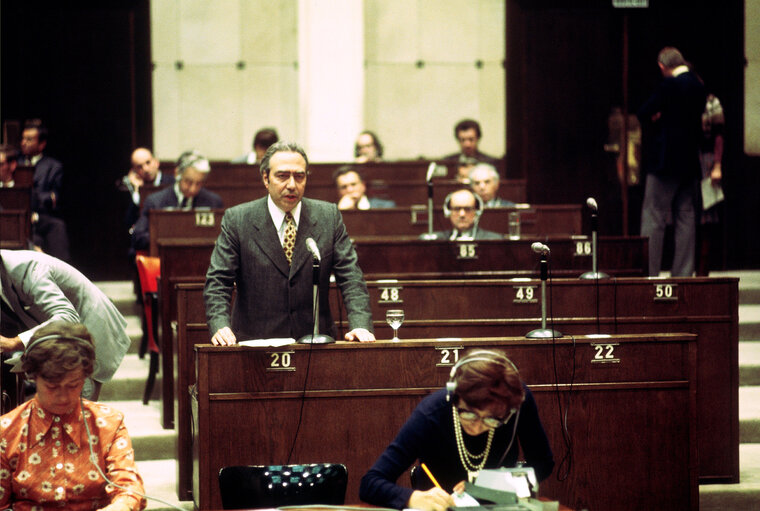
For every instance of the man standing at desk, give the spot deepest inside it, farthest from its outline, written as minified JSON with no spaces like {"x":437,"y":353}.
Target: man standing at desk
{"x":262,"y":249}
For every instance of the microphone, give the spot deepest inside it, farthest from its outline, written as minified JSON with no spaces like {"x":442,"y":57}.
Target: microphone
{"x":430,"y":172}
{"x":313,"y":248}
{"x":539,"y":248}
{"x":591,"y":203}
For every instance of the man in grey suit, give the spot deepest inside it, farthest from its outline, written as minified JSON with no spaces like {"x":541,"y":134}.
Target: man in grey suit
{"x":262,"y":249}
{"x":38,"y":288}
{"x":484,"y":180}
{"x":463,"y":208}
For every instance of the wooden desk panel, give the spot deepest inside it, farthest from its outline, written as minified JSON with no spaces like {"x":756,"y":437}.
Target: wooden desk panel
{"x":383,"y":257}
{"x":649,"y":395}
{"x":16,"y":198}
{"x":190,"y":224}
{"x":536,"y":220}
{"x":14,"y":228}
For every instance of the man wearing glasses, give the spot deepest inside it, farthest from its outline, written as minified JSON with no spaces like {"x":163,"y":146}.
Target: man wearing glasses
{"x":262,"y":250}
{"x":464,"y":207}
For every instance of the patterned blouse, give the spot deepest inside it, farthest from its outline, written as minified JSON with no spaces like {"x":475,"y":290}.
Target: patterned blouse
{"x":45,"y":459}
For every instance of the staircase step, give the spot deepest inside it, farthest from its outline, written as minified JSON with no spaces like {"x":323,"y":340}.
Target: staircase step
{"x":159,"y":478}
{"x":749,"y":363}
{"x":736,"y":497}
{"x":749,"y":414}
{"x":749,"y":322}
{"x":128,"y":384}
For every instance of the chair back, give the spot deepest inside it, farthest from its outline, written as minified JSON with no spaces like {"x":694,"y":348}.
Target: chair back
{"x":270,"y":486}
{"x":148,"y":269}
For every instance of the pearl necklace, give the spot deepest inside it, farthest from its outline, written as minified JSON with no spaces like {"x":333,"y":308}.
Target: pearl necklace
{"x":465,"y":455}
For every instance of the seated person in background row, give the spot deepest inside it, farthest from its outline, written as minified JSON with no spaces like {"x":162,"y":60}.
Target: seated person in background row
{"x":484,"y":180}
{"x":7,"y":166}
{"x":352,"y":191}
{"x":467,"y":133}
{"x":39,"y":289}
{"x":144,"y":170}
{"x":464,"y":207}
{"x":48,"y":227}
{"x":261,"y":142}
{"x":187,"y":193}
{"x":482,"y":419}
{"x":49,"y":442}
{"x":368,"y":147}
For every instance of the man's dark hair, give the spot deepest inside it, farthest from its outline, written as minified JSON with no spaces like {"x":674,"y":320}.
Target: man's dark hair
{"x":671,"y":58}
{"x":467,"y":124}
{"x":345,"y":169}
{"x":265,"y":137}
{"x":375,"y":141}
{"x":37,"y":124}
{"x":281,"y":147}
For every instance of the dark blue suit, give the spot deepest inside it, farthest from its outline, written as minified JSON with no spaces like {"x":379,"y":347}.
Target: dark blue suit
{"x":49,"y":232}
{"x":164,"y":199}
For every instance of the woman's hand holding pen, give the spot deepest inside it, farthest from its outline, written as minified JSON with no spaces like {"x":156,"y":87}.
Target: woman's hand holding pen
{"x":435,"y":499}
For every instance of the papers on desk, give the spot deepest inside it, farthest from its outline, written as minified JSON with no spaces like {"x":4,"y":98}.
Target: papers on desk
{"x":464,"y":499}
{"x":711,"y":194}
{"x":267,"y":343}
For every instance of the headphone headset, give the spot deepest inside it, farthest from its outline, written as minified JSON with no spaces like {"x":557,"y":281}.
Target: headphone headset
{"x":476,"y":356}
{"x":478,"y":201}
{"x":36,"y":342}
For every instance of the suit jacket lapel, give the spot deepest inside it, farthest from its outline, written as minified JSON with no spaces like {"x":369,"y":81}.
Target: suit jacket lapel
{"x":266,"y":237}
{"x":307,"y":228}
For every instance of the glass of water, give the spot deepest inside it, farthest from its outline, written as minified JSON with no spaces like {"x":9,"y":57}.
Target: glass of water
{"x":394,"y":318}
{"x":514,"y":225}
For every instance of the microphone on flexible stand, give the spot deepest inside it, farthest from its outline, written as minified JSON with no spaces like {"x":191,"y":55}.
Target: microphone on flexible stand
{"x":543,"y":332}
{"x":316,"y":337}
{"x":594,"y":273}
{"x":429,"y":179}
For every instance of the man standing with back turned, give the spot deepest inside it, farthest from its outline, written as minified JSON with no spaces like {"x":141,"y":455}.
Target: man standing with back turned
{"x":262,"y":249}
{"x":673,"y":114}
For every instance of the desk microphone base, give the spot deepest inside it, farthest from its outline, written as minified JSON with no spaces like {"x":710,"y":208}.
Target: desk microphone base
{"x":542,"y":333}
{"x":316,"y":339}
{"x":592,"y":275}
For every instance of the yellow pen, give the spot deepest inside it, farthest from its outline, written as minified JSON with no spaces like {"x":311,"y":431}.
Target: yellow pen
{"x":430,"y":475}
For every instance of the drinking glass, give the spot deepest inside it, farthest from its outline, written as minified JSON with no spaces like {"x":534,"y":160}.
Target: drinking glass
{"x":394,"y":318}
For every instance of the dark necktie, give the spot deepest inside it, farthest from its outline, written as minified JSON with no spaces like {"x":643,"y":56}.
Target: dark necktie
{"x":183,"y":205}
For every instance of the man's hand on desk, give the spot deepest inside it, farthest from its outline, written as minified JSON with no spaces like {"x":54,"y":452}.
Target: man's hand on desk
{"x":435,"y":499}
{"x":224,"y":337}
{"x":360,"y":334}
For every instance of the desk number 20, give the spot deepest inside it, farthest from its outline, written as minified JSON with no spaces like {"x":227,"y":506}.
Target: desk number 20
{"x":281,"y":361}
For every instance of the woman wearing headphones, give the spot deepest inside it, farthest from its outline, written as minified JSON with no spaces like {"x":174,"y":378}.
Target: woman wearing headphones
{"x":46,"y":459}
{"x":476,"y":422}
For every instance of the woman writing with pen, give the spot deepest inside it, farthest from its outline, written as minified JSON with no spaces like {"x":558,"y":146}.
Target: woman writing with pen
{"x":480,"y":420}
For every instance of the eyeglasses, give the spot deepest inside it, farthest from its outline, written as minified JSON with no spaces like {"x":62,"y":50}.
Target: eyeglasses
{"x":489,"y":422}
{"x":284,"y":176}
{"x":466,"y":209}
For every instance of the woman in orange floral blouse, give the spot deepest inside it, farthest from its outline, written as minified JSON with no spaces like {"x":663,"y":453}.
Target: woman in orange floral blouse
{"x":44,"y":452}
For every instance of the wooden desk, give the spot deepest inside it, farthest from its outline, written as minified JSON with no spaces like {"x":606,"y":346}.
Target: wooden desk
{"x":536,"y":220}
{"x":16,"y":198}
{"x":14,"y":228}
{"x":187,"y":224}
{"x":249,"y":401}
{"x":403,"y":257}
{"x":23,"y":176}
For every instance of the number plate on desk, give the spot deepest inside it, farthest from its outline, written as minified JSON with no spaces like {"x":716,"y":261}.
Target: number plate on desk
{"x":467,"y":251}
{"x":390,"y":294}
{"x":666,"y":292}
{"x":582,"y":248}
{"x":281,"y":361}
{"x":525,"y":294}
{"x":448,"y":356}
{"x":605,"y":353}
{"x":204,"y":218}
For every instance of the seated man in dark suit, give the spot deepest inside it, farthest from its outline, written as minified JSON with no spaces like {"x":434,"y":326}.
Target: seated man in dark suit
{"x":464,"y":207}
{"x":144,"y":171}
{"x":261,"y":142}
{"x":484,"y":180}
{"x":352,"y":191}
{"x":48,"y":227}
{"x":467,"y":133}
{"x":187,"y":193}
{"x":262,"y":249}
